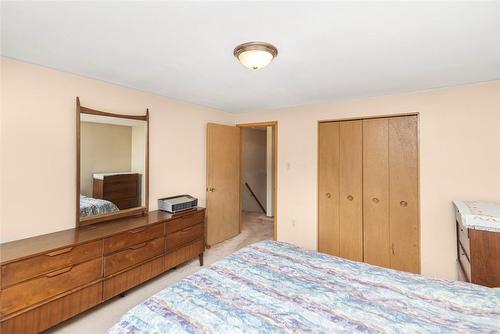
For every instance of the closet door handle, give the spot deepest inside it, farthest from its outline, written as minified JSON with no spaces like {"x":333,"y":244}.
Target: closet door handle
{"x":375,"y":200}
{"x":328,"y":195}
{"x":392,"y":248}
{"x":403,"y":203}
{"x":350,"y":197}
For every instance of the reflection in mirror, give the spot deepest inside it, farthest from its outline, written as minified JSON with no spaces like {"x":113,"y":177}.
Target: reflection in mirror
{"x":112,"y":164}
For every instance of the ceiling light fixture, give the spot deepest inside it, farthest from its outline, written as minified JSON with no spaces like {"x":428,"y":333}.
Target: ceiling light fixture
{"x":255,"y":55}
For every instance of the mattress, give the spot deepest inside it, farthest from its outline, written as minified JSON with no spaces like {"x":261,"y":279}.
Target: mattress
{"x":93,"y":206}
{"x":274,"y":287}
{"x":479,"y":215}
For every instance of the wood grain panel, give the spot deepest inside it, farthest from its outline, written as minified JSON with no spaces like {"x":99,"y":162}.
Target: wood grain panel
{"x":123,"y":190}
{"x":36,"y":290}
{"x":133,"y":237}
{"x":42,"y":264}
{"x":186,"y":235}
{"x":133,"y":255}
{"x":403,"y":188}
{"x":223,"y":182}
{"x":376,"y":242}
{"x":131,"y":278}
{"x":184,"y":254}
{"x":184,"y":221}
{"x":485,"y":257}
{"x":21,"y":249}
{"x":328,"y":188}
{"x":54,"y":312}
{"x":351,"y":190}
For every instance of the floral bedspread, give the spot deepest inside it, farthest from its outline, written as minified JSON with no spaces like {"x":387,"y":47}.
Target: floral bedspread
{"x":92,"y":206}
{"x":274,"y":287}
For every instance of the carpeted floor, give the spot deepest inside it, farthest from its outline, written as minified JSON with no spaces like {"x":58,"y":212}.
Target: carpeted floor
{"x":255,"y":227}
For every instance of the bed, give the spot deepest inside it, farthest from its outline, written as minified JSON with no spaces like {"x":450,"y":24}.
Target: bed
{"x":274,"y":287}
{"x":92,"y":206}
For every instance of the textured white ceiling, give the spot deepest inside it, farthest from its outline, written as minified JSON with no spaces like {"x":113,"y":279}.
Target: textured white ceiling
{"x":327,"y":50}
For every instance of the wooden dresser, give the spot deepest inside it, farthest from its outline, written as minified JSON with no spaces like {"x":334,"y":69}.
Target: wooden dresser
{"x":50,"y":278}
{"x":478,"y":254}
{"x":121,"y":189}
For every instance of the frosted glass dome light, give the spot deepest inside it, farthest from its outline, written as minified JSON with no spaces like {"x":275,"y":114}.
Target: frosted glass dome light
{"x":255,"y":55}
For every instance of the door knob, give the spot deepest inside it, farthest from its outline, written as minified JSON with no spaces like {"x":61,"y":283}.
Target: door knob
{"x":211,"y":189}
{"x":375,"y":200}
{"x":328,"y":195}
{"x":403,"y":203}
{"x":350,"y":197}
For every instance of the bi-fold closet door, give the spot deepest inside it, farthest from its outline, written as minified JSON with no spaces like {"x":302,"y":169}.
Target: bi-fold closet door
{"x":368,"y":191}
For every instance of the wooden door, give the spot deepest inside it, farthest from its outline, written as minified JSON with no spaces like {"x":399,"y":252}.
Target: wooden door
{"x":351,"y":190}
{"x":403,"y":190}
{"x":376,"y":192}
{"x":328,"y":188}
{"x":223,"y":182}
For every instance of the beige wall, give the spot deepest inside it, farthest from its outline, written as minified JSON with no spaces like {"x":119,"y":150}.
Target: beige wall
{"x":459,"y":145}
{"x":254,"y":168}
{"x":104,"y":148}
{"x":459,"y":158}
{"x":38,"y":144}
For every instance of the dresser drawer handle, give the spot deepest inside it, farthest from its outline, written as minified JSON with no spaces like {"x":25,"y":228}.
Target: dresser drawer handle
{"x":137,"y":231}
{"x":138,"y":246}
{"x":187,"y":229}
{"x":59,"y":272}
{"x":59,"y":252}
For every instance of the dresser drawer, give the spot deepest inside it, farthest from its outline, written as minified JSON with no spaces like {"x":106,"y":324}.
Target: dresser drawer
{"x":184,"y":221}
{"x":463,"y":238}
{"x":132,"y":255}
{"x":133,"y":277}
{"x":126,"y":203}
{"x":50,"y":314}
{"x":121,"y":188}
{"x":184,"y":254}
{"x":132,"y":237}
{"x":19,"y":271}
{"x":51,"y":284}
{"x":464,"y":263}
{"x":184,"y":236}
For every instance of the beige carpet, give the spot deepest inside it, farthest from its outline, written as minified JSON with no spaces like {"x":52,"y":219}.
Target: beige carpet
{"x":255,"y":227}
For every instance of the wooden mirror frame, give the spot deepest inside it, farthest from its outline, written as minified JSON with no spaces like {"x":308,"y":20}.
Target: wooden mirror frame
{"x":142,"y":210}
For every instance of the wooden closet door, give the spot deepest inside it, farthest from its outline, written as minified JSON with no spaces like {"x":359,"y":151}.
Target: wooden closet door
{"x":351,"y":190}
{"x":403,"y":189}
{"x":376,"y":240}
{"x":328,"y":188}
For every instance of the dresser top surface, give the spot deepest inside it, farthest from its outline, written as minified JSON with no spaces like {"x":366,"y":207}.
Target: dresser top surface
{"x":478,"y":215}
{"x":19,"y":249}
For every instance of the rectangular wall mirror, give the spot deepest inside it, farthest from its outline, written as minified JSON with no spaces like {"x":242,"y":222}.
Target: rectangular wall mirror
{"x":112,"y":166}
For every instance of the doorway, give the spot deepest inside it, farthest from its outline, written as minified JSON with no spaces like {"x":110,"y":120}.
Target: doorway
{"x":258,"y":161}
